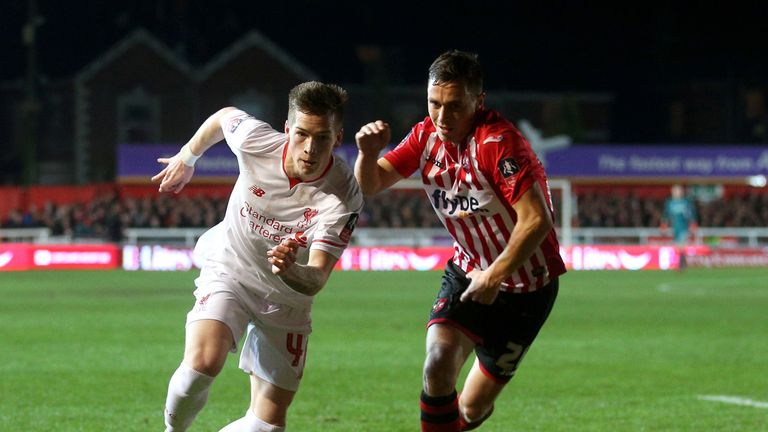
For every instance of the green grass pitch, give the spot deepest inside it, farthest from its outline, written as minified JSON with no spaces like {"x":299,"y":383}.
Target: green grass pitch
{"x":622,"y":351}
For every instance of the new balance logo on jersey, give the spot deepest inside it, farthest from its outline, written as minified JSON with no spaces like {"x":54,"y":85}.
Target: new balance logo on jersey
{"x":259,"y":192}
{"x":465,"y":205}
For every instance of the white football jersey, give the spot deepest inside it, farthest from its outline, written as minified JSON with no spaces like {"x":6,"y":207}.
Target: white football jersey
{"x":266,"y":206}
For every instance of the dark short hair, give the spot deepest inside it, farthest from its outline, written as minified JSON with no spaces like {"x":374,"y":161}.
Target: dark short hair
{"x":457,"y":65}
{"x":317,"y":98}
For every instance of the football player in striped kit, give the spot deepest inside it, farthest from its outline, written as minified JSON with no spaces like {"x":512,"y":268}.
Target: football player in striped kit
{"x":289,"y":218}
{"x":490,"y":191}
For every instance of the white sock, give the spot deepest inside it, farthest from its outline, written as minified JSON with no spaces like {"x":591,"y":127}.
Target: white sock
{"x":251,"y":423}
{"x":187,"y":394}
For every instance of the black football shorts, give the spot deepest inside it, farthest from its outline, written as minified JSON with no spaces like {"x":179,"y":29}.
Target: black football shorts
{"x":503,"y":331}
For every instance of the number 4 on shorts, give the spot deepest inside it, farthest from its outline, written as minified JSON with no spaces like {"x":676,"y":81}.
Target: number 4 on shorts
{"x":295,"y":348}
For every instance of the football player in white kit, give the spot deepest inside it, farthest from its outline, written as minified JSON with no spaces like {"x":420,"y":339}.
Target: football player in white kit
{"x":289,"y":218}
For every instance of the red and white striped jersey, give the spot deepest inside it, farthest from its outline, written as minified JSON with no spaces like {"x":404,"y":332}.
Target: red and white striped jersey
{"x":473,"y":189}
{"x":267,"y":206}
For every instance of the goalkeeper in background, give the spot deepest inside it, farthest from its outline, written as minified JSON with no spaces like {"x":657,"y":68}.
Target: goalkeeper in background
{"x":680,"y":215}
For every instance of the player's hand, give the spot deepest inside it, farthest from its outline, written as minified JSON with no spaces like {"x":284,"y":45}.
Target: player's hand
{"x":174,"y":176}
{"x":373,"y":137}
{"x":283,"y":255}
{"x":482,"y":288}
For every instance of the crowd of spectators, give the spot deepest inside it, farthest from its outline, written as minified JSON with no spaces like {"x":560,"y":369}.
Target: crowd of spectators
{"x":738,"y":210}
{"x":107,"y":215}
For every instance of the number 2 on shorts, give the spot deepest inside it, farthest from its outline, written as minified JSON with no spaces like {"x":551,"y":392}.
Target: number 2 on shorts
{"x":510,"y":360}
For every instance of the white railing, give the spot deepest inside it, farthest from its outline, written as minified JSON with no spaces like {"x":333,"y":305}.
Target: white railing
{"x":413,"y":237}
{"x":187,"y":236}
{"x":749,"y":237}
{"x":756,"y":236}
{"x":22,"y":235}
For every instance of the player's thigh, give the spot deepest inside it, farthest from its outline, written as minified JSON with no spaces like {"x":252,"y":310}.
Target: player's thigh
{"x":216,"y":321}
{"x":221,"y":298}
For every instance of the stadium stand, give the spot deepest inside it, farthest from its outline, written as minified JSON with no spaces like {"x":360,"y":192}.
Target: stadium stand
{"x":102,"y":211}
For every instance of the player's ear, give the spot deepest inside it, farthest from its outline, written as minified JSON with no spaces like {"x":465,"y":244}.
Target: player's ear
{"x":287,"y":128}
{"x":339,"y":136}
{"x":480,"y":101}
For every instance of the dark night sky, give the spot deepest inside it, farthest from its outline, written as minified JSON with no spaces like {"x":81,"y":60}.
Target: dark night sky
{"x":549,"y":46}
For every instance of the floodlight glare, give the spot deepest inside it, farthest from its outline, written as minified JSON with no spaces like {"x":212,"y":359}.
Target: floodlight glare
{"x":757,"y":181}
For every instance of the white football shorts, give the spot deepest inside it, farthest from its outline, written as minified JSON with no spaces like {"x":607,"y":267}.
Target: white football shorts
{"x":276,"y":344}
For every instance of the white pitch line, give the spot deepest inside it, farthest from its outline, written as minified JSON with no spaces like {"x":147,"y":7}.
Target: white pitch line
{"x":734,"y":400}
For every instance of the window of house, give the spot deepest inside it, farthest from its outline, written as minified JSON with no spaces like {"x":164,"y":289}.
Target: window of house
{"x":138,"y":117}
{"x":256,"y":104}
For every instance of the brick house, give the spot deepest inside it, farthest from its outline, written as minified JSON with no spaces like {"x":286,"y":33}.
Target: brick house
{"x":141,"y":92}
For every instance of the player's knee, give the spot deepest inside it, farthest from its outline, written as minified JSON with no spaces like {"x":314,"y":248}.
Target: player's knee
{"x":205,"y":362}
{"x":435,"y":362}
{"x":271,"y":404}
{"x":440,"y":368}
{"x":473,"y":410}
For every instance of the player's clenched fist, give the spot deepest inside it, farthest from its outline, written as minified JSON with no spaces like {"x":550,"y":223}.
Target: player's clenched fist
{"x":373,"y":137}
{"x":283,"y":255}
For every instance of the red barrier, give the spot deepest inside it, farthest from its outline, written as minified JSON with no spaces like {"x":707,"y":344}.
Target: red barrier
{"x":596,"y":257}
{"x":394,"y":258}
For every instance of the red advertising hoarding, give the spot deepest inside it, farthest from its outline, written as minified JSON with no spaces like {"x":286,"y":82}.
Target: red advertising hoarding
{"x":599,"y":257}
{"x":394,"y":258}
{"x":582,"y":257}
{"x":609,"y":257}
{"x":24,"y":256}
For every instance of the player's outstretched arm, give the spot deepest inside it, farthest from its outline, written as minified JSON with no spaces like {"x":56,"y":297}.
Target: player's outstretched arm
{"x":179,"y":169}
{"x":307,"y":279}
{"x":374,"y":174}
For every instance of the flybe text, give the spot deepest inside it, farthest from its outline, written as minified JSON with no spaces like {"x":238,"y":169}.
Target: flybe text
{"x":440,"y":200}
